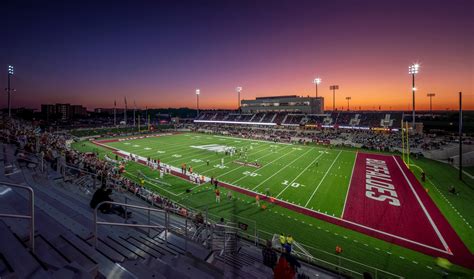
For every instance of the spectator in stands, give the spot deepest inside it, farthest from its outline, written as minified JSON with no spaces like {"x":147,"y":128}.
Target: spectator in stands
{"x":269,"y":255}
{"x":103,"y":194}
{"x":198,"y":220}
{"x":98,"y":197}
{"x":286,"y":267}
{"x":289,"y":243}
{"x":282,"y":239}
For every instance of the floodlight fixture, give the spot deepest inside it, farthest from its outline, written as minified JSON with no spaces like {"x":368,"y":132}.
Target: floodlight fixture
{"x":11,"y":70}
{"x":198,"y":91}
{"x":238,"y":89}
{"x":413,"y":69}
{"x":317,"y":81}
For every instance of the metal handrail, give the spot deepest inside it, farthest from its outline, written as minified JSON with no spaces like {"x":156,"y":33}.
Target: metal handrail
{"x":339,"y":257}
{"x":31,"y":216}
{"x":80,"y":169}
{"x":126,"y":205}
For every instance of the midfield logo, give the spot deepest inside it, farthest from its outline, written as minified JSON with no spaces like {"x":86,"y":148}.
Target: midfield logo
{"x":212,"y":147}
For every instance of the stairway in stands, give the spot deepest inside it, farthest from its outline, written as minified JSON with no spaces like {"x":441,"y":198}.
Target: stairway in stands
{"x":64,"y":240}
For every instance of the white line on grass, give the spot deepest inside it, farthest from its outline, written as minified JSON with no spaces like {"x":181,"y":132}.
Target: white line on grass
{"x":348,"y":188}
{"x":153,"y":184}
{"x":321,"y":181}
{"x":433,"y":225}
{"x":448,"y":202}
{"x":299,"y":175}
{"x":256,"y":170}
{"x":280,"y":169}
{"x":230,"y":161}
{"x":265,"y":141}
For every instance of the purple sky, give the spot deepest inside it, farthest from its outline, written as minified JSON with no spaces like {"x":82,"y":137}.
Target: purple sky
{"x":158,"y":52}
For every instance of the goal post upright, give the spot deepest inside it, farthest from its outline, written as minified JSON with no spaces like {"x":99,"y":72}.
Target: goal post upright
{"x":403,"y":142}
{"x":407,"y":147}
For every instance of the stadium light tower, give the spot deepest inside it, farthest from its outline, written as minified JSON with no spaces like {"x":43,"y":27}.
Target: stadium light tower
{"x":431,"y":95}
{"x":11,"y":71}
{"x":413,"y":70}
{"x":334,"y":88}
{"x":238,"y":89}
{"x":348,"y":99}
{"x":316,"y":82}
{"x":198,"y":92}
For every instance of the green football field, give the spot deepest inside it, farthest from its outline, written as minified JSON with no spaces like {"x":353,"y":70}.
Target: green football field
{"x":311,"y":176}
{"x":314,"y":177}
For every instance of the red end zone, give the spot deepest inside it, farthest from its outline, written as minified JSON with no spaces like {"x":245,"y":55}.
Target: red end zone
{"x":406,"y":215}
{"x":385,"y":197}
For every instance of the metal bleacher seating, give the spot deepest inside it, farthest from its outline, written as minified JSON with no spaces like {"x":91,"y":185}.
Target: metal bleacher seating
{"x":65,"y":245}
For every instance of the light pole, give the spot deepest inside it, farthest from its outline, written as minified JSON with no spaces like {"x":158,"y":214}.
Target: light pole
{"x":238,"y":89}
{"x":115,"y":113}
{"x":9,"y":89}
{"x":348,"y":99}
{"x":460,"y":136}
{"x":413,"y":70}
{"x":316,"y":82}
{"x":198,"y":92}
{"x":334,"y":88}
{"x":431,"y":95}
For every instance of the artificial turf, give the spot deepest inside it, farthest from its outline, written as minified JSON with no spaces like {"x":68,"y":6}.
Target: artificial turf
{"x":312,"y":176}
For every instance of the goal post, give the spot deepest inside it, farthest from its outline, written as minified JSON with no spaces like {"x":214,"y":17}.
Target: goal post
{"x":405,"y":144}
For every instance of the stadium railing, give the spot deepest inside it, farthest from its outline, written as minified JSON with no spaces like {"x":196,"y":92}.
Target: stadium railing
{"x":31,"y":212}
{"x":343,"y":265}
{"x":148,"y":226}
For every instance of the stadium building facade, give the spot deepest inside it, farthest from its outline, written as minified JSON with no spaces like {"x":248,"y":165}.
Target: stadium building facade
{"x":290,"y":103}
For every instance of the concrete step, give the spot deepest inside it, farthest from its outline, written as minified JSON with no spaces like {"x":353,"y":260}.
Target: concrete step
{"x":74,"y":253}
{"x":21,"y":262}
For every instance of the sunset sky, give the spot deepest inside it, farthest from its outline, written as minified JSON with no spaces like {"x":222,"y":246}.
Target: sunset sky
{"x":159,"y":52}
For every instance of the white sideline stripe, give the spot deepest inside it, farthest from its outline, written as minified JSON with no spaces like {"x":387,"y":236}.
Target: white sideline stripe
{"x":348,"y":188}
{"x":329,"y":216}
{"x":299,"y":175}
{"x":291,"y":151}
{"x":438,"y":233}
{"x":352,"y":223}
{"x":287,"y":165}
{"x":321,"y":181}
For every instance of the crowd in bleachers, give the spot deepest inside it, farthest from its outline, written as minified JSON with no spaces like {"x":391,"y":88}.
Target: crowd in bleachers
{"x":354,"y":119}
{"x":53,"y":148}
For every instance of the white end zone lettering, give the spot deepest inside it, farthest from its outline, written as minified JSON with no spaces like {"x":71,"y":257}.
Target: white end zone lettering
{"x":378,"y":184}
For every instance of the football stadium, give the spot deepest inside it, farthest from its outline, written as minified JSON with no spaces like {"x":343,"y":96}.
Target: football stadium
{"x":193,"y":139}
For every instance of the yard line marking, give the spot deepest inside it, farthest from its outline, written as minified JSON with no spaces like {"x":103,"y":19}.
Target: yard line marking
{"x":153,"y":184}
{"x":348,"y":188}
{"x":299,"y":175}
{"x":321,"y":181}
{"x":242,"y":166}
{"x":268,"y":164}
{"x":433,"y":225}
{"x":230,"y":161}
{"x":281,"y":169}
